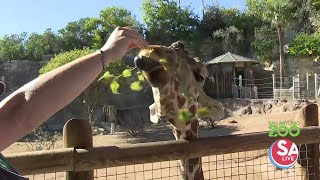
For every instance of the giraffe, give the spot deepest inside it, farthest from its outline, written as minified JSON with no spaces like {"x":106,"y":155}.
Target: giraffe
{"x":177,"y":80}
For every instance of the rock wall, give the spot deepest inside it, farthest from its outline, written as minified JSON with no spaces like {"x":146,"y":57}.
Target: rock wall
{"x":16,"y":73}
{"x":239,"y":107}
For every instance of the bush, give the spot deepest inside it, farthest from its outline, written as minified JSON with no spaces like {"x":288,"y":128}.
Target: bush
{"x":305,"y":45}
{"x":64,"y":58}
{"x":41,"y":140}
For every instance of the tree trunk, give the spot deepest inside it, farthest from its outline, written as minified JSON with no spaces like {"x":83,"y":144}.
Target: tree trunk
{"x":281,"y":51}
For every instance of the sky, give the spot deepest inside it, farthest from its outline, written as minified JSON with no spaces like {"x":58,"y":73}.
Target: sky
{"x":18,"y":16}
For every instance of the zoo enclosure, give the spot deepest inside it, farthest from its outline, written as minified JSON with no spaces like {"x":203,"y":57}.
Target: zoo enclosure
{"x":82,"y":161}
{"x":306,"y":86}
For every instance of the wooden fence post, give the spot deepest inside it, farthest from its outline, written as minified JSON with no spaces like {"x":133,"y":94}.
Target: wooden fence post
{"x":307,"y":79}
{"x":309,"y":153}
{"x":77,"y":133}
{"x":316,"y":85}
{"x":240,"y":86}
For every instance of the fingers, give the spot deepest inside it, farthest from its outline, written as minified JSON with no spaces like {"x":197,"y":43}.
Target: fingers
{"x":143,"y":44}
{"x":133,"y":33}
{"x":128,"y":27}
{"x":136,"y":42}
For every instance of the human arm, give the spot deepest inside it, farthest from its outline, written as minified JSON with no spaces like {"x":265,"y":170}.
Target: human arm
{"x":32,"y":104}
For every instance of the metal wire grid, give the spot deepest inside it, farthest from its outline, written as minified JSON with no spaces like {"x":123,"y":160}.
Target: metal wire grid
{"x":249,"y":165}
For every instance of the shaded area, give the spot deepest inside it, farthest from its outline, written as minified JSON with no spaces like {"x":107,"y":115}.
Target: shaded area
{"x":163,"y":132}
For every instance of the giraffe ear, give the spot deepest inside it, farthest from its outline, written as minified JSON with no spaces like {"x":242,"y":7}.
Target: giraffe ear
{"x":215,"y":108}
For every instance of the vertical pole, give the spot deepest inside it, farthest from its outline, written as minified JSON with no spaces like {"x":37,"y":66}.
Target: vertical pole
{"x":307,"y":79}
{"x":240,"y":85}
{"x":310,"y":159}
{"x":217,"y":84}
{"x":77,"y":133}
{"x":293,"y":86}
{"x":316,"y":85}
{"x":273,"y":86}
{"x":298,"y":87}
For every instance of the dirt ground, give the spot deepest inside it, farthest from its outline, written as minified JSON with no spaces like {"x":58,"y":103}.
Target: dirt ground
{"x":242,"y":165}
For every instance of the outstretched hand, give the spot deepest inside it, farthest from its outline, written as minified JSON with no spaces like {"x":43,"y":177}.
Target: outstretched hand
{"x":121,"y":40}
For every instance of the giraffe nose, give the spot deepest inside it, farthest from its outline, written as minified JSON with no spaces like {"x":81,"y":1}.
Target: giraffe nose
{"x":139,"y":63}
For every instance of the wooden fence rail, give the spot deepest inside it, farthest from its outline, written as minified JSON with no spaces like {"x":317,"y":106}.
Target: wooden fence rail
{"x":59,"y":160}
{"x":89,"y":158}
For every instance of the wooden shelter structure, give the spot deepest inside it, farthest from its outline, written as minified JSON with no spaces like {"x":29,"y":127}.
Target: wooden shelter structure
{"x":233,"y":76}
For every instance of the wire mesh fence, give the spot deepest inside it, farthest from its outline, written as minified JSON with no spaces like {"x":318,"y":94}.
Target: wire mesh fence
{"x":273,"y":87}
{"x":249,"y":165}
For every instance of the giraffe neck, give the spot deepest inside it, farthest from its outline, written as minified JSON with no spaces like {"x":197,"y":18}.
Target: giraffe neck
{"x":190,"y":168}
{"x":168,"y":101}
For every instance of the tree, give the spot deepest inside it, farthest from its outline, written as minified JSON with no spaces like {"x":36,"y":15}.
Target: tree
{"x":264,"y":44}
{"x":231,"y":38}
{"x":76,"y":35}
{"x":12,"y":47}
{"x":51,"y":42}
{"x":110,"y":17}
{"x":305,"y":45}
{"x":212,"y":20}
{"x":166,"y":22}
{"x":231,"y":29}
{"x":35,"y":48}
{"x":278,"y":13}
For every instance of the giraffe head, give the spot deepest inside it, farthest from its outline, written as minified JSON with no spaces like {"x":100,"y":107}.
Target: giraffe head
{"x":176,"y":80}
{"x":162,"y":66}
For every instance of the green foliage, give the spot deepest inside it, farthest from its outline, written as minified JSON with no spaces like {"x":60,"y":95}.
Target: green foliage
{"x":64,"y":58}
{"x":35,"y":47}
{"x":12,"y":47}
{"x":166,"y":19}
{"x":106,"y":75}
{"x":187,"y":116}
{"x":76,"y":35}
{"x":136,"y":86}
{"x":231,"y":38}
{"x":85,"y":32}
{"x":167,"y":22}
{"x":126,"y":73}
{"x":229,"y":28}
{"x":305,"y":45}
{"x":38,"y":45}
{"x":109,"y":19}
{"x":278,"y":12}
{"x":109,"y":76}
{"x":140,"y":76}
{"x":115,"y":87}
{"x":264,"y":44}
{"x":51,"y":42}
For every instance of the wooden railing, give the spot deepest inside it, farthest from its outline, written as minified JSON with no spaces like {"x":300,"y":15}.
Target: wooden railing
{"x":88,"y":159}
